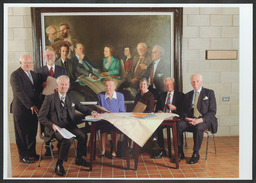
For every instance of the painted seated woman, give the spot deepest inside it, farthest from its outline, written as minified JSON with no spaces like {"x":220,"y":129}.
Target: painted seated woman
{"x":114,"y":102}
{"x":111,"y":65}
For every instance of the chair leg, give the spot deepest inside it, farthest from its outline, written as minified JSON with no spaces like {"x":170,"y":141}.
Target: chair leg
{"x":40,"y":157}
{"x":214,"y":143}
{"x":98,"y":136}
{"x":207,"y":145}
{"x":185,"y":138}
{"x":50,"y":146}
{"x":75,"y":147}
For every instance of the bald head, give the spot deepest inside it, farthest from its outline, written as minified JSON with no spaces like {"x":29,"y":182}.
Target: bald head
{"x":26,"y":62}
{"x":196,"y":81}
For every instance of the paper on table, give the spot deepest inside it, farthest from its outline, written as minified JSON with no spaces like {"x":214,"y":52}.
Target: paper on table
{"x":51,"y":86}
{"x":65,"y":133}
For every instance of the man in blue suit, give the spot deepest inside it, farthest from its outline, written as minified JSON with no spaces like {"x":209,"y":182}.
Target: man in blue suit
{"x":199,"y":110}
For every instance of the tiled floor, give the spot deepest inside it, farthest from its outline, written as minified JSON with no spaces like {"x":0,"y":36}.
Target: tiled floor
{"x":224,"y":164}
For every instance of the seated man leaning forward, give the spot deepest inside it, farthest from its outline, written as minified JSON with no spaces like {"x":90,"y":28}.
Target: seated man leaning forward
{"x":58,"y":111}
{"x":199,"y":110}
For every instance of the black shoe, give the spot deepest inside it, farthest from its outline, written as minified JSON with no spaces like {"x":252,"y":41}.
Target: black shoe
{"x":194,"y":159}
{"x":181,"y":156}
{"x":82,"y":162}
{"x":35,"y":156}
{"x":160,"y":154}
{"x":59,"y":170}
{"x":26,"y":161}
{"x":155,"y":144}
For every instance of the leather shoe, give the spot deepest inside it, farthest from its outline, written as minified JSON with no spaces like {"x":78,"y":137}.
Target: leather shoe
{"x":82,"y":162}
{"x":26,"y":161}
{"x":59,"y":170}
{"x":181,"y":156}
{"x":35,"y":156}
{"x":194,"y":159}
{"x":160,"y":154}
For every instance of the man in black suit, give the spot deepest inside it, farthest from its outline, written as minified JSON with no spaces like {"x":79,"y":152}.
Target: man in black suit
{"x":199,"y":110}
{"x":58,"y":111}
{"x":170,"y":102}
{"x":26,"y":102}
{"x":50,"y":69}
{"x":157,"y":71}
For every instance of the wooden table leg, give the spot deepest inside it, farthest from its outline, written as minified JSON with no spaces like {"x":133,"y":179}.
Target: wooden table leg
{"x":92,"y":138}
{"x":136,"y":148}
{"x":175,"y":143}
{"x":127,"y":154}
{"x":169,"y":141}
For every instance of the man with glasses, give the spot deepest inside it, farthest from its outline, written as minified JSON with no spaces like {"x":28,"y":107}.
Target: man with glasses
{"x":24,"y":107}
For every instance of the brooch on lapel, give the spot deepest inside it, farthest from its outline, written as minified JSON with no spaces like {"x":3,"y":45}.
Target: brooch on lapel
{"x":73,"y":104}
{"x":205,"y":98}
{"x":160,"y":75}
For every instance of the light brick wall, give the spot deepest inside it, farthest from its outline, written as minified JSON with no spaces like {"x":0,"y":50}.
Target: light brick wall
{"x":204,"y":28}
{"x":214,"y":29}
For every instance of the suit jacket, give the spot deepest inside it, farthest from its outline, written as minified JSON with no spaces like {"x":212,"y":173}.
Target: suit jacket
{"x":114,"y":67}
{"x":43,"y":72}
{"x":70,"y":69}
{"x":49,"y":113}
{"x":206,"y":106}
{"x":178,"y":99}
{"x":79,"y":68}
{"x":162,"y":71}
{"x":25,"y":94}
{"x":147,"y":60}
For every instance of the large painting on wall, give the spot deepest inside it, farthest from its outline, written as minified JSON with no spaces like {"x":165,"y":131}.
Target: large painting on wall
{"x":100,"y":34}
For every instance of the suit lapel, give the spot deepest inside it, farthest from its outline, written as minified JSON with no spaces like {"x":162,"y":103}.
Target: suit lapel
{"x":69,"y":106}
{"x":25,"y":77}
{"x":200,"y":99}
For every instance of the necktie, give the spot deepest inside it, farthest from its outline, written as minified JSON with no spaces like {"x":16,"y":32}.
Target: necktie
{"x":30,"y":77}
{"x":62,"y":101}
{"x":65,"y":63}
{"x":51,"y":72}
{"x":196,"y":112}
{"x":167,"y":103}
{"x":152,"y":75}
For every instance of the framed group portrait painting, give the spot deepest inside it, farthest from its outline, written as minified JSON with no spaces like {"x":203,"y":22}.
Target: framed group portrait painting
{"x":119,"y":27}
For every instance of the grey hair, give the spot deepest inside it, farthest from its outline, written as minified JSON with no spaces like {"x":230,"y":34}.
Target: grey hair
{"x":47,"y":30}
{"x":144,"y":80}
{"x":161,"y":49}
{"x":201,"y":77}
{"x":62,"y":76}
{"x":173,"y":80}
{"x":50,"y":50}
{"x":144,"y":44}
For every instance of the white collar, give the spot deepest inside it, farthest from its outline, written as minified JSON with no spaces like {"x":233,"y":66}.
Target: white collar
{"x":198,"y":90}
{"x":62,"y":96}
{"x":172,"y":92}
{"x":114,"y":95}
{"x":49,"y":67}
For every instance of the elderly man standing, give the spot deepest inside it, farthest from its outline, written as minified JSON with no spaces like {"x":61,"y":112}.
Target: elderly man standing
{"x":58,"y":111}
{"x":199,"y":110}
{"x":157,"y":71}
{"x":170,"y":102}
{"x":26,"y":102}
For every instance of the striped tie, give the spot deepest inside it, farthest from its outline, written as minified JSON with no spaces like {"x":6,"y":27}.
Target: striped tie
{"x":167,"y":103}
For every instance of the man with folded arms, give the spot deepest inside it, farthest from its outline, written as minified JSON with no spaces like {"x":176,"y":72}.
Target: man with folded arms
{"x":58,"y":111}
{"x":199,"y":110}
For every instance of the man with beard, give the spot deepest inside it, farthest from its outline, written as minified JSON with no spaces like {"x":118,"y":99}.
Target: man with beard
{"x":67,"y":38}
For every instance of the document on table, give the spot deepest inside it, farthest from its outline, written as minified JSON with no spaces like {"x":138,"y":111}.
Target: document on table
{"x":65,"y":133}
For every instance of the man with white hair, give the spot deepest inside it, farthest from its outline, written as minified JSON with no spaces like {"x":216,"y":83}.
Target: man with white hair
{"x":58,"y":111}
{"x":199,"y":110}
{"x":24,"y":107}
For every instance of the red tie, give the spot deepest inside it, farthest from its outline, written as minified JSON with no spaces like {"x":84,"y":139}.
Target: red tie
{"x":51,"y":72}
{"x":152,"y":75}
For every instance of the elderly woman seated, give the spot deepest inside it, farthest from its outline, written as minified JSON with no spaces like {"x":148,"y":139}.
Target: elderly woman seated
{"x":114,"y":102}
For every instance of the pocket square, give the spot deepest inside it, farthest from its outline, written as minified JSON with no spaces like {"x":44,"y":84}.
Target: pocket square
{"x":205,"y":98}
{"x":73,"y":104}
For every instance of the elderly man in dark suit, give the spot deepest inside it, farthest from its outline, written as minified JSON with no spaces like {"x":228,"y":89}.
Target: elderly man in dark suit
{"x":157,"y":71}
{"x":199,"y":110}
{"x":26,"y":102}
{"x":170,"y":102}
{"x":50,"y":69}
{"x":58,"y":111}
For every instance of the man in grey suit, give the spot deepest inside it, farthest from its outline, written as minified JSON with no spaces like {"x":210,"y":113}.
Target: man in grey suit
{"x":199,"y":110}
{"x":24,"y":107}
{"x":157,"y":71}
{"x":58,"y":111}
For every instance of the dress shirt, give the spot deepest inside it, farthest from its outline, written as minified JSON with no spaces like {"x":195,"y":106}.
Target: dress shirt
{"x":60,"y":96}
{"x":114,"y":95}
{"x":53,"y":68}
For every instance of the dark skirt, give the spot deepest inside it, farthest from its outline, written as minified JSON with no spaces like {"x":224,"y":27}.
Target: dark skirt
{"x":108,"y":128}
